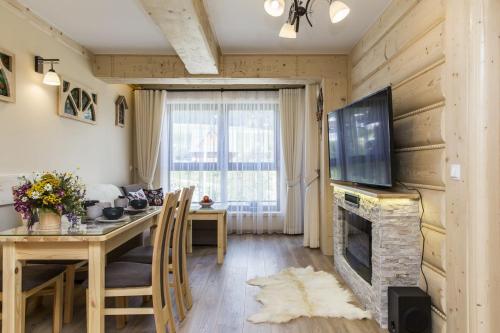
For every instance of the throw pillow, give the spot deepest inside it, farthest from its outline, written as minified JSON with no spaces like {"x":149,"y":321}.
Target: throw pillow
{"x":155,"y":197}
{"x":137,"y":195}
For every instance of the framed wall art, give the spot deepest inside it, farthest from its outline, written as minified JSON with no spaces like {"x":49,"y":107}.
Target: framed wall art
{"x":121,"y":106}
{"x":77,"y":101}
{"x":7,"y":76}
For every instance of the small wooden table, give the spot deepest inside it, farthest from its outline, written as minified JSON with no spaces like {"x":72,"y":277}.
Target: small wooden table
{"x":218,"y":213}
{"x":90,"y":242}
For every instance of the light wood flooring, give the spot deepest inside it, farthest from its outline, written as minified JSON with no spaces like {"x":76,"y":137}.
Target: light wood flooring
{"x":222,"y":299}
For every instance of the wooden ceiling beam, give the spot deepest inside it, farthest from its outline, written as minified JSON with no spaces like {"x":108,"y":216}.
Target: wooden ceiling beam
{"x":186,"y":26}
{"x":169,"y":69}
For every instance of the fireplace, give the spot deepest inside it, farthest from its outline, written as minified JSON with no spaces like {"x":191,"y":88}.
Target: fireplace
{"x":377,"y":243}
{"x":358,"y":244}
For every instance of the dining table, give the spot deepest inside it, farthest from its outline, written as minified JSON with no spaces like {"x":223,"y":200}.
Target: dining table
{"x":89,"y":241}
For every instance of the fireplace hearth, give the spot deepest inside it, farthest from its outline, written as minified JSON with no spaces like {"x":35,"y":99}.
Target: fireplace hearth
{"x":377,"y":243}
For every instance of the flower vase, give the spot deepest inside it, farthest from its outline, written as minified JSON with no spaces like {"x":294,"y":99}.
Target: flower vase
{"x":49,"y":220}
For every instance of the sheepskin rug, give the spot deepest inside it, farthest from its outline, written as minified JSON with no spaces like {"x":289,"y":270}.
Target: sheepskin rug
{"x":302,"y":292}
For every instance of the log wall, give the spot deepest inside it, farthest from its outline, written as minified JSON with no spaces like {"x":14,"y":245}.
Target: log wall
{"x":405,"y":49}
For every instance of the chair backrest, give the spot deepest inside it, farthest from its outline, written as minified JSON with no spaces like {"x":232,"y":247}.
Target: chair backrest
{"x":160,"y":263}
{"x":180,"y":229}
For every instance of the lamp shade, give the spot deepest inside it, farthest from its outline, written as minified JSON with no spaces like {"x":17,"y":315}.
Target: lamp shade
{"x":274,"y":7}
{"x":288,"y":31}
{"x":338,"y":11}
{"x":51,"y":78}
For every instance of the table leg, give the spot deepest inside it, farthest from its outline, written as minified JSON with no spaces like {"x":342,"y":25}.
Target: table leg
{"x":189,"y":236}
{"x":12,"y":310}
{"x":220,"y":238}
{"x":95,"y":307}
{"x":225,"y":233}
{"x":152,"y":230}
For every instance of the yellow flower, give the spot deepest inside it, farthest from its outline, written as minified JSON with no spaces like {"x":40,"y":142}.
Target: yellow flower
{"x":51,"y":199}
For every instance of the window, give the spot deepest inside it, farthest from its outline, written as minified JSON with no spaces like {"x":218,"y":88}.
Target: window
{"x":226,"y":144}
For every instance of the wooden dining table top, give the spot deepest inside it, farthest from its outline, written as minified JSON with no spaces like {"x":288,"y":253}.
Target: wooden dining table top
{"x":90,"y":230}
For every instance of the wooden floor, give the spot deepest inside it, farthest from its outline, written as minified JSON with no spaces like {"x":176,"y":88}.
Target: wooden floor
{"x":222,"y":299}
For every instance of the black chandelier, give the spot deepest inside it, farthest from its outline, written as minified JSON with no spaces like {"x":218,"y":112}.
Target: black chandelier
{"x":338,"y":11}
{"x":297,"y":10}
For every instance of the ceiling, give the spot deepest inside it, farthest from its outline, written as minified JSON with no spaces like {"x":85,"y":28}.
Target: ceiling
{"x":104,"y":26}
{"x":241,"y":26}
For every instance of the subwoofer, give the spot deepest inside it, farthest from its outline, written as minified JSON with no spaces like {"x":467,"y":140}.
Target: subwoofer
{"x":409,"y":310}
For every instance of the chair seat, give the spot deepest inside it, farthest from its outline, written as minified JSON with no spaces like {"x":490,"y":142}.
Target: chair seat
{"x":126,"y":275}
{"x":141,"y":254}
{"x":36,"y":275}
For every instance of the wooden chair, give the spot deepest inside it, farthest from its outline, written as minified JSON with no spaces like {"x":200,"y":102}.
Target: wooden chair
{"x":178,"y":268}
{"x":42,"y":280}
{"x":72,"y":267}
{"x":126,"y":279}
{"x":182,"y":288}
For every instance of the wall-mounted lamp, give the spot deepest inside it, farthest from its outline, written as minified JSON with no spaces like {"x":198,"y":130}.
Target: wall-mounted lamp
{"x":51,"y":78}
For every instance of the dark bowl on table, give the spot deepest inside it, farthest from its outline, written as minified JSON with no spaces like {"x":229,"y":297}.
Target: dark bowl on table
{"x":113,"y":213}
{"x":139,"y":203}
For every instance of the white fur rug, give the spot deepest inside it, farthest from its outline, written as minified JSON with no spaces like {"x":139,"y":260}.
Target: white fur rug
{"x":302,"y":292}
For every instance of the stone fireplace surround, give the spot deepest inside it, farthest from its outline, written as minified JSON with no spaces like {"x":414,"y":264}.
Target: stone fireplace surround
{"x":396,"y":243}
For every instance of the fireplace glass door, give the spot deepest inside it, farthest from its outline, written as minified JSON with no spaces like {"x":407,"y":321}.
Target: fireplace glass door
{"x":358,"y":244}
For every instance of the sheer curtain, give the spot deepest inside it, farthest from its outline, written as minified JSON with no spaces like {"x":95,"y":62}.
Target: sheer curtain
{"x":227,"y":145}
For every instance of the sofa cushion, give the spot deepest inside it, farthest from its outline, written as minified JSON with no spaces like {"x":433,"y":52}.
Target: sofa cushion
{"x":102,"y":192}
{"x":131,"y":188}
{"x":155,"y":197}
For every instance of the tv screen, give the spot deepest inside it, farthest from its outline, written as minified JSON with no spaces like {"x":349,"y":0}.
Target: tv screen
{"x":360,"y":141}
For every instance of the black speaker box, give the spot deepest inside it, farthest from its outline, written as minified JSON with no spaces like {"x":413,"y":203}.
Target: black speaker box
{"x":409,"y":310}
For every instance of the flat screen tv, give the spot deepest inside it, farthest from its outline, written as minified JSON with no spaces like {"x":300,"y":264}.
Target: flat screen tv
{"x":360,"y":141}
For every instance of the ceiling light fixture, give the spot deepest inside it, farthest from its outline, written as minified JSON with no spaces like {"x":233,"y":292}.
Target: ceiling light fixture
{"x":338,"y":12}
{"x":274,"y":7}
{"x":288,"y":31}
{"x":51,"y":78}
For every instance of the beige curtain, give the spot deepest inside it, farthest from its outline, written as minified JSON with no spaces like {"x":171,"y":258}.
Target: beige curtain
{"x":311,"y":169}
{"x":292,"y":130}
{"x":149,"y":110}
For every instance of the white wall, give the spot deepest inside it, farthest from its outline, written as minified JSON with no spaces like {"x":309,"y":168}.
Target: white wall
{"x":32,"y":135}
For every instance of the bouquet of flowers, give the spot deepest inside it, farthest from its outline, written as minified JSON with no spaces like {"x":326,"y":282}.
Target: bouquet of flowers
{"x":55,"y":192}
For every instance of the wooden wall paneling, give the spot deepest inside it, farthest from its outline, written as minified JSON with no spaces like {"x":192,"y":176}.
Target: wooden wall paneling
{"x":420,"y":30}
{"x":434,"y":208}
{"x":394,"y":13}
{"x":409,"y":61}
{"x":421,"y":166}
{"x":437,"y":287}
{"x":132,"y":66}
{"x":421,"y":129}
{"x":435,"y":248}
{"x":472,"y":83}
{"x":145,"y":69}
{"x":405,"y":49}
{"x":331,"y":66}
{"x":334,"y":97}
{"x":438,"y":323}
{"x":422,"y":90}
{"x":259,"y":66}
{"x":103,"y":66}
{"x":167,"y":65}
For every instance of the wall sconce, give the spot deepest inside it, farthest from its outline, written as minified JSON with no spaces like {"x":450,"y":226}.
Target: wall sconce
{"x":51,"y":78}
